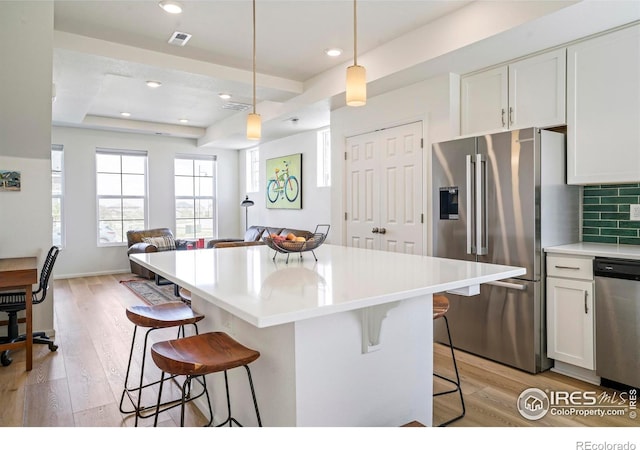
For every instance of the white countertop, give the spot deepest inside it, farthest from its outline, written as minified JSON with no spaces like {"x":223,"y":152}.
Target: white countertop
{"x":246,"y":282}
{"x":597,"y":249}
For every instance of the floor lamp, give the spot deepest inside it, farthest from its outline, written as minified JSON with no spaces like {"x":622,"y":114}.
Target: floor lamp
{"x":245,"y":204}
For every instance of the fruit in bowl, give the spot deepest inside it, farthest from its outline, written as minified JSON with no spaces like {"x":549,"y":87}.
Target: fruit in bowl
{"x":277,"y":238}
{"x":291,"y":237}
{"x":300,"y":239}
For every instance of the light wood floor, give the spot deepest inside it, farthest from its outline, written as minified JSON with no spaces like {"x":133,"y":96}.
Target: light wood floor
{"x":80,"y":385}
{"x":491,"y":390}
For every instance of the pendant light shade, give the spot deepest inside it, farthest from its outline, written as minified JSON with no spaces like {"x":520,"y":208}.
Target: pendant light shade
{"x":356,"y":90}
{"x":356,"y":85}
{"x":254,"y":124}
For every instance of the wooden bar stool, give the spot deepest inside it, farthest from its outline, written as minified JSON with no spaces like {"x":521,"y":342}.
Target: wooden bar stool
{"x":165,"y":315}
{"x":197,"y":356}
{"x":185,"y":295}
{"x":440,"y":309}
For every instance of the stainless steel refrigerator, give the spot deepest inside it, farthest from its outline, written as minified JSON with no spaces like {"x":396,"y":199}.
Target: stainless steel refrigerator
{"x":502,"y":198}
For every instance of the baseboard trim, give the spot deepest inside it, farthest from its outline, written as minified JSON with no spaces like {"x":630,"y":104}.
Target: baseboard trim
{"x":579,"y":373}
{"x":90,"y":274}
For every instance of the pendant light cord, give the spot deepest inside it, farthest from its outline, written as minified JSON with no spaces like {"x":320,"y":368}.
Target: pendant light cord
{"x":254,"y":56}
{"x":355,"y":35}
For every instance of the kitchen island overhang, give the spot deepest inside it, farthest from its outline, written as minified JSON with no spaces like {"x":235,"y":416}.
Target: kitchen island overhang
{"x":345,"y":340}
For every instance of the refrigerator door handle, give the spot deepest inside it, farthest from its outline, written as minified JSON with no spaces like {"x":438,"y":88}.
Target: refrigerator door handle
{"x":481,"y":217}
{"x":506,"y":284}
{"x":469,"y":201}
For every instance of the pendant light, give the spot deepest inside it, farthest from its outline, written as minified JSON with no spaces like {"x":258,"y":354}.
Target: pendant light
{"x":254,"y":125}
{"x":356,"y":75}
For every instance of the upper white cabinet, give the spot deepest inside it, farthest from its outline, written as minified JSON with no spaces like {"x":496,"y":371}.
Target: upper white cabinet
{"x":603,"y":109}
{"x":526,"y":93}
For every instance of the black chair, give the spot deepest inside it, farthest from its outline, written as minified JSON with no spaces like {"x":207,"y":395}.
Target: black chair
{"x":14,"y":302}
{"x":440,"y":309}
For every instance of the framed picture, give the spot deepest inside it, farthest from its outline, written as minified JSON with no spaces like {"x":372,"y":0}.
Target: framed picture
{"x":9,"y":180}
{"x":284,"y":182}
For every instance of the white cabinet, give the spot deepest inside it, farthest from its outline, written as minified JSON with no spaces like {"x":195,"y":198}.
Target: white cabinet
{"x":526,"y":93}
{"x":570,"y":310}
{"x":484,"y":98}
{"x":603,"y":109}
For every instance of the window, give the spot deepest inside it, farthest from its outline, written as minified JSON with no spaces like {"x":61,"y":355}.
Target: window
{"x":57,"y":184}
{"x":121,"y":178}
{"x":324,"y":158}
{"x":253,"y":170}
{"x":195,"y":196}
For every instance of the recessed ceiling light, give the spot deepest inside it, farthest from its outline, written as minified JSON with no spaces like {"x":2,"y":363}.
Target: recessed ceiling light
{"x":153,"y":84}
{"x":125,"y":114}
{"x":171,"y":7}
{"x":224,"y":96}
{"x":184,"y":120}
{"x":333,"y":51}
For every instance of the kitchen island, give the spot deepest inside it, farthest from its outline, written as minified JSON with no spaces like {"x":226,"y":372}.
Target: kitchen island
{"x":345,"y":340}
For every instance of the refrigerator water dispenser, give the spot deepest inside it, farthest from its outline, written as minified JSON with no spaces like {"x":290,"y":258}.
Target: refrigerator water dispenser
{"x":449,"y":203}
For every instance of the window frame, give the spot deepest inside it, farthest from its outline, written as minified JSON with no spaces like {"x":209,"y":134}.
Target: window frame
{"x":145,"y":197}
{"x":323,"y":158}
{"x":60,"y":197}
{"x":252,"y":165}
{"x":214,"y":197}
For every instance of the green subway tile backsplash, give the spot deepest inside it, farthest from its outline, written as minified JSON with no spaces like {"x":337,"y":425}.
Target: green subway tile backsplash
{"x":605,"y":216}
{"x":591,"y":200}
{"x":601,"y":239}
{"x":617,"y":186}
{"x":611,"y":216}
{"x":628,"y":223}
{"x":606,"y":208}
{"x":630,"y":191}
{"x":627,"y":200}
{"x":597,"y":192}
{"x":618,"y":232}
{"x":600,"y":223}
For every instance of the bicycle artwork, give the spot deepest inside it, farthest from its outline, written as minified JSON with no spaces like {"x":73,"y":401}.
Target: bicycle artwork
{"x":284,"y":182}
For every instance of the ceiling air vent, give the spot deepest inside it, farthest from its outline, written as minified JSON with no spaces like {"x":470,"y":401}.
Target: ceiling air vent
{"x":179,"y":38}
{"x":236,"y":106}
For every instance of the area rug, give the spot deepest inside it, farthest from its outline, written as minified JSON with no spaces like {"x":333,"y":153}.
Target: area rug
{"x":149,"y":292}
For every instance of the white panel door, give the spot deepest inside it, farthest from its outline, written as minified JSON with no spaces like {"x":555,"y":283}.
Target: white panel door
{"x":362,"y":193}
{"x":384,"y":189}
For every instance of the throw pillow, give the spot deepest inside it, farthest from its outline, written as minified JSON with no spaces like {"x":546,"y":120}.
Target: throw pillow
{"x":162,"y":243}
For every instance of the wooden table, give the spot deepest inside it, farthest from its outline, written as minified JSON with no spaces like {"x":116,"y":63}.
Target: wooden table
{"x":21,"y":273}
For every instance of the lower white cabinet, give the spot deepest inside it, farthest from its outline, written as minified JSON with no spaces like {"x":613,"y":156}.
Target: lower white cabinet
{"x":570,"y":311}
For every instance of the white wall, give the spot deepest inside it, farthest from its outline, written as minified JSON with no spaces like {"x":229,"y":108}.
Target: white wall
{"x":81,"y":255}
{"x":315,"y":201}
{"x":25,"y":135}
{"x":433,"y":101}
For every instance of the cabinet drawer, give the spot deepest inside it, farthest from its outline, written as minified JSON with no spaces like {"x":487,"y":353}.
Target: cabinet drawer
{"x":570,"y":267}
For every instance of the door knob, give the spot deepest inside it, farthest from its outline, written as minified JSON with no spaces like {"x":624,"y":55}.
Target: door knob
{"x":375,"y":230}
{"x":382,"y":230}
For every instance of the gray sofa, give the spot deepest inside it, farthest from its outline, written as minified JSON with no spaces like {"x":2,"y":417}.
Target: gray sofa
{"x":254,"y":235}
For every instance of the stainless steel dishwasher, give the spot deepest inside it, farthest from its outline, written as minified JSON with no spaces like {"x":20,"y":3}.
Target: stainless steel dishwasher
{"x":617,"y":320}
